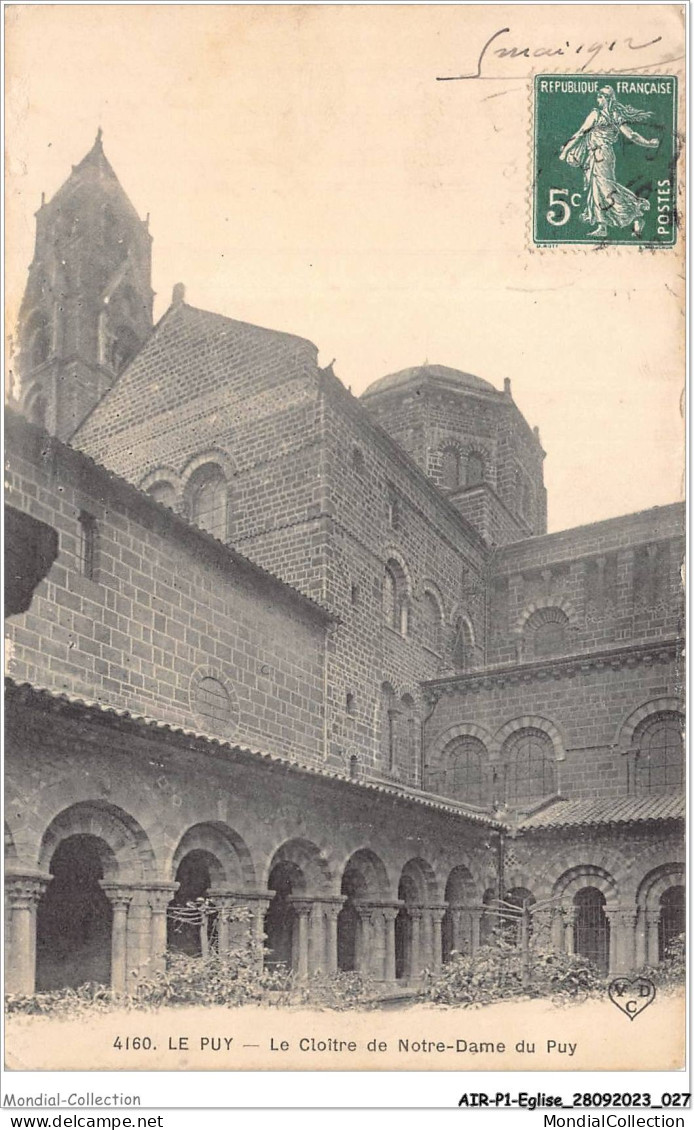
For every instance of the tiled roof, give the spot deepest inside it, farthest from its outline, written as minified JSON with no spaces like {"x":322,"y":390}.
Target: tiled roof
{"x":192,"y":355}
{"x":620,"y":810}
{"x":145,"y":725}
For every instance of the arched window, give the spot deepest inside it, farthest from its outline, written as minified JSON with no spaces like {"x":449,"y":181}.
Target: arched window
{"x":358,"y":460}
{"x":530,"y":767}
{"x":546,"y":633}
{"x":450,"y":469}
{"x":672,"y":920}
{"x":462,"y":774}
{"x":431,"y":622}
{"x":395,"y":604}
{"x":474,"y":470}
{"x":208,"y":500}
{"x":659,"y":760}
{"x":591,"y":927}
{"x":163,"y":492}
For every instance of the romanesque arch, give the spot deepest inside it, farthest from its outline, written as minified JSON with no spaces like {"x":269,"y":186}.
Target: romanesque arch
{"x":588,"y":893}
{"x":529,"y":722}
{"x":211,"y":860}
{"x":460,"y":924}
{"x":126,"y":851}
{"x":418,"y":889}
{"x":625,"y":731}
{"x":364,"y":883}
{"x":297,"y":871}
{"x":89,"y":849}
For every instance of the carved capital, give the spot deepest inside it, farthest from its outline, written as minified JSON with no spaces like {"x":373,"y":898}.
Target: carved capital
{"x":159,"y":896}
{"x":116,"y":894}
{"x":24,"y":891}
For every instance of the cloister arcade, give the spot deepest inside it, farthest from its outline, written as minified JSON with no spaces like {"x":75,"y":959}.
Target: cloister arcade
{"x":97,"y":905}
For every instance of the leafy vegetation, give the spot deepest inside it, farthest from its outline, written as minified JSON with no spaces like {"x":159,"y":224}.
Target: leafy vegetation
{"x":499,"y":972}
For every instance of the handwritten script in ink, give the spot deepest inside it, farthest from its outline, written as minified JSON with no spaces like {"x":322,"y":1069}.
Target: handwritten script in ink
{"x":580,"y":56}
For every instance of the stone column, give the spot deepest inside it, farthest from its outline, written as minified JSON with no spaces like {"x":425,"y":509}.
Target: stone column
{"x":258,"y":902}
{"x":302,"y":909}
{"x":317,"y":937}
{"x":475,"y":928}
{"x":390,"y":913}
{"x":426,"y":939}
{"x":415,"y":915}
{"x":120,"y":899}
{"x":363,"y":939}
{"x":557,"y":929}
{"x":436,"y":914}
{"x":23,"y":895}
{"x":226,"y":932}
{"x":159,"y":896}
{"x":138,"y":944}
{"x":332,"y":912}
{"x":569,"y":923}
{"x":377,"y":947}
{"x":621,"y":939}
{"x":651,"y":940}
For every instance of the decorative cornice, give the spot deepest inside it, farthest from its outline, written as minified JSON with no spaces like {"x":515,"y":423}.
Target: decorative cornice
{"x":564,"y":667}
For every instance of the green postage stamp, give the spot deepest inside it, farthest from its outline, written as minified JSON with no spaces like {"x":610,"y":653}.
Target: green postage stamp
{"x":604,"y":160}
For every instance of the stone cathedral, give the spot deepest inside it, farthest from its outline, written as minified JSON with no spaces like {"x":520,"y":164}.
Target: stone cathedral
{"x":277,"y":646}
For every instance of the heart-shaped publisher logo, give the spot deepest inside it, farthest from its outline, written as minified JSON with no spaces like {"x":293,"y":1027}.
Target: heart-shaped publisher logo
{"x":632,"y":996}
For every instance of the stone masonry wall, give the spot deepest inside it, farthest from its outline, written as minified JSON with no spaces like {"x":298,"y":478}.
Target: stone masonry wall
{"x":167,"y":609}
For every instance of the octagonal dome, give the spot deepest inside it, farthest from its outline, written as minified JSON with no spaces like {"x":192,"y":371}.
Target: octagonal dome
{"x":424,"y":374}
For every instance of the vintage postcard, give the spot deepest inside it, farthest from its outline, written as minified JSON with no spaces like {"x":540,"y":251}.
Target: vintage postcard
{"x":345,"y":532}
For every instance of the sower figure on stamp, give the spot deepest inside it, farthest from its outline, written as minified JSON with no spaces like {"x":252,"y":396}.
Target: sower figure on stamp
{"x":592,"y":149}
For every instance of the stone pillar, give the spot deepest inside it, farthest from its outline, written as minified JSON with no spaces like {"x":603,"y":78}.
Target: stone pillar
{"x":390,"y":913}
{"x":622,"y":924}
{"x":569,"y":923}
{"x":436,"y":914}
{"x":23,"y":895}
{"x":426,"y":939}
{"x":316,"y":937}
{"x":475,"y":928}
{"x":557,"y":930}
{"x":258,"y":902}
{"x":377,"y":949}
{"x":415,"y":915}
{"x":363,"y":939}
{"x":226,"y":933}
{"x":120,"y":899}
{"x":651,"y":940}
{"x":332,"y":913}
{"x":138,"y":943}
{"x":159,"y":896}
{"x":302,"y":909}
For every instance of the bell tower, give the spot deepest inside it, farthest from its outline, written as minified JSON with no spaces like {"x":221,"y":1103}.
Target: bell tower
{"x":87,"y":307}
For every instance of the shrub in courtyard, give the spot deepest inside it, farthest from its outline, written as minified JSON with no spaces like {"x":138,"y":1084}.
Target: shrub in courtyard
{"x":670,"y":973}
{"x":496,"y":972}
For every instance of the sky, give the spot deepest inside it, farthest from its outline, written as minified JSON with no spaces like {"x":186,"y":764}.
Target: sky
{"x":304,"y":170}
